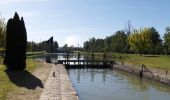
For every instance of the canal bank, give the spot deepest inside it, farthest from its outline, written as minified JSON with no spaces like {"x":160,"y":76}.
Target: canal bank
{"x":152,"y":74}
{"x":58,"y":85}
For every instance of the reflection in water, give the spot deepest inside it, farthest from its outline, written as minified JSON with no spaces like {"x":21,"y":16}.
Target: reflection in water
{"x":54,"y":57}
{"x":78,"y":76}
{"x":107,"y":84}
{"x":58,"y":56}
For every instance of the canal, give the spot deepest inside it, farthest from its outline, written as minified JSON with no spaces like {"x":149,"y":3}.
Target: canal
{"x":110,"y":84}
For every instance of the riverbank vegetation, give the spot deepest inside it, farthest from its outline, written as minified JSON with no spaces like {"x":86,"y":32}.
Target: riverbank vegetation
{"x":138,"y":41}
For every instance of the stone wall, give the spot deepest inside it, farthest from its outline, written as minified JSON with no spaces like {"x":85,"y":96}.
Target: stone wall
{"x":153,"y":76}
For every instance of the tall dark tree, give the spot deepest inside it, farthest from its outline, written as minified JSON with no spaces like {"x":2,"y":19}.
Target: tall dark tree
{"x":55,"y":46}
{"x":16,"y":43}
{"x":50,"y":45}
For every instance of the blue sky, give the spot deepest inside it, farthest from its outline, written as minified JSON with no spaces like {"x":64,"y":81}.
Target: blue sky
{"x":75,"y":21}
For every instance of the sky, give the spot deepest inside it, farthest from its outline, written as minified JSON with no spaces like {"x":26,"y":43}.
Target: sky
{"x":74,"y":21}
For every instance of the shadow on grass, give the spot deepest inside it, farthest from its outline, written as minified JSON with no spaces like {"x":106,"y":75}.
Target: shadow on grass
{"x":23,"y":78}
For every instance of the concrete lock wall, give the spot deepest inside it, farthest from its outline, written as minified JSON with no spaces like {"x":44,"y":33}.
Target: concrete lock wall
{"x":153,"y":76}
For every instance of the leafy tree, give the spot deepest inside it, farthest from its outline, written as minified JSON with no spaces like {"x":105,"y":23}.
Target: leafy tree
{"x":94,"y":45}
{"x":55,"y":46}
{"x":119,"y":43}
{"x":145,"y":40}
{"x":2,"y":33}
{"x":167,"y":41}
{"x":16,"y":43}
{"x":156,"y":41}
{"x":108,"y":44}
{"x":113,"y":43}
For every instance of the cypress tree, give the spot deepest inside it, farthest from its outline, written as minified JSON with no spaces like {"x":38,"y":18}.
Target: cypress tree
{"x":16,"y":42}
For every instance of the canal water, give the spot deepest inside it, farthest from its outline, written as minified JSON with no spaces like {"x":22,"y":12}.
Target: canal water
{"x":110,"y":84}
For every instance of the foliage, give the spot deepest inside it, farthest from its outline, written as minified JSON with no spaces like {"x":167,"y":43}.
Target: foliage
{"x":108,"y":43}
{"x":113,"y":43}
{"x":2,"y":32}
{"x":71,"y":48}
{"x":119,"y":43}
{"x":16,"y":42}
{"x":49,"y":46}
{"x":42,"y":46}
{"x":94,"y":45}
{"x":145,"y":40}
{"x":167,"y":41}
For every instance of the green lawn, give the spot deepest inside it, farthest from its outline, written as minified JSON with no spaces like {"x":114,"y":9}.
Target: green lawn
{"x":6,"y":85}
{"x":160,"y":62}
{"x":153,"y":61}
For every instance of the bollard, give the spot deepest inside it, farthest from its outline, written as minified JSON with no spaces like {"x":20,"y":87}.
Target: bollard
{"x":141,"y":74}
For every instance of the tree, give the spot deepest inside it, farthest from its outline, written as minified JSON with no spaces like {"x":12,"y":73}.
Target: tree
{"x":2,"y":33}
{"x":49,"y":45}
{"x":167,"y":40}
{"x":55,"y":46}
{"x":94,"y":45}
{"x":119,"y":43}
{"x":145,"y":40}
{"x":16,"y":43}
{"x":156,"y":42}
{"x":108,"y":44}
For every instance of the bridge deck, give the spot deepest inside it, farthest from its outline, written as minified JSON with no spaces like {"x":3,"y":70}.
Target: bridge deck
{"x":86,"y":63}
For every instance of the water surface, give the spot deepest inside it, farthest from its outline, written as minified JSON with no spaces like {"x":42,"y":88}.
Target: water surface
{"x":108,"y":84}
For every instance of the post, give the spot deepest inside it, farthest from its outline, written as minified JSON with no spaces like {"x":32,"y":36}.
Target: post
{"x":92,"y":55}
{"x":104,"y":59}
{"x":141,"y":72}
{"x":67,"y":58}
{"x":78,"y":58}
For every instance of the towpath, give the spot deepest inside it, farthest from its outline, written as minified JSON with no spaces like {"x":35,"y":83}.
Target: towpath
{"x":58,"y":85}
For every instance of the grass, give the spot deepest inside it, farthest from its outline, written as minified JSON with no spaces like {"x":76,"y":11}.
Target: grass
{"x":160,"y":62}
{"x":6,"y":85}
{"x":153,"y":61}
